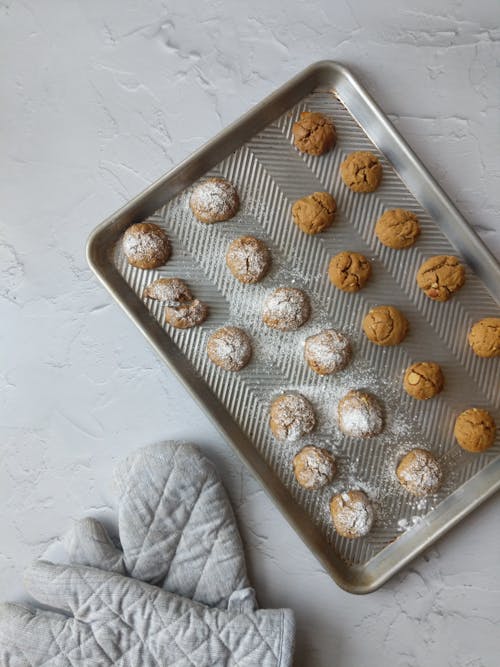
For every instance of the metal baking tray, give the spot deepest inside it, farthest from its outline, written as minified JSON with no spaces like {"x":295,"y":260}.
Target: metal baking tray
{"x":256,"y":153}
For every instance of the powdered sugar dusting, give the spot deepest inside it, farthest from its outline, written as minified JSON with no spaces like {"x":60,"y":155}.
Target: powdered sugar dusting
{"x":214,"y":200}
{"x":328,"y":351}
{"x":286,"y":309}
{"x":419,"y":472}
{"x":406,"y":524}
{"x":292,"y":417}
{"x":230,"y":348}
{"x":352,"y":514}
{"x":186,"y":315}
{"x":314,"y":467}
{"x":248,"y":259}
{"x":145,"y":243}
{"x":360,"y":414}
{"x":171,"y":291}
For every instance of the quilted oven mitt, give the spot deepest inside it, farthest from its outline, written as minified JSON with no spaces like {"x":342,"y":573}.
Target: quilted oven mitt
{"x":175,"y":594}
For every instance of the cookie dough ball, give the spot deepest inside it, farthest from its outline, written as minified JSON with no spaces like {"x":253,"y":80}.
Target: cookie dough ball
{"x":360,"y":415}
{"x":349,"y":271}
{"x":172,"y":291}
{"x":484,"y":337}
{"x":314,"y":133}
{"x":248,"y":259}
{"x":419,"y":472}
{"x":291,"y":417}
{"x":475,"y":430}
{"x":361,"y":171}
{"x":327,"y":352}
{"x":314,"y":213}
{"x":314,"y":467}
{"x":385,"y":325}
{"x":440,"y":277}
{"x":423,"y":380}
{"x":397,"y":228}
{"x":352,"y":514}
{"x":230,"y":348}
{"x":146,"y":245}
{"x":214,"y":200}
{"x":286,"y":309}
{"x":186,"y":315}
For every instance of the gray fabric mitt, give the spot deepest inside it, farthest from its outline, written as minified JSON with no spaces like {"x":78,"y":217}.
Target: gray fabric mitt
{"x":175,"y":523}
{"x":177,"y":530}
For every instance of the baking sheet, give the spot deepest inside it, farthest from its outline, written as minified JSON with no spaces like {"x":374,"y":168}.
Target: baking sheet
{"x":257,"y":155}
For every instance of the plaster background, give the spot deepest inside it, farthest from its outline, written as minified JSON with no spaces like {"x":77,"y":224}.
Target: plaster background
{"x":100,"y":99}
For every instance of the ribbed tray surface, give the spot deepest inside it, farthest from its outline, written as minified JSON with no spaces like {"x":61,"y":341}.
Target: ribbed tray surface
{"x":270,"y":175}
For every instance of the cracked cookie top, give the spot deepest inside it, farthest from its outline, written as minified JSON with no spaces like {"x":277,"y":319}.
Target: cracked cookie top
{"x":314,"y":213}
{"x":182,"y":311}
{"x":214,"y":200}
{"x":475,"y":430}
{"x":291,"y":417}
{"x":248,"y":259}
{"x":440,"y":277}
{"x":314,"y":133}
{"x":360,"y":414}
{"x":172,"y":291}
{"x":328,"y":351}
{"x":419,"y":472}
{"x":385,"y":325}
{"x":484,"y":337}
{"x":361,"y":171}
{"x":349,"y":271}
{"x":229,"y":348}
{"x":397,"y":228}
{"x":352,"y":514}
{"x":314,"y":467}
{"x":286,"y":309}
{"x":423,"y":380}
{"x":146,"y":246}
{"x":187,"y":314}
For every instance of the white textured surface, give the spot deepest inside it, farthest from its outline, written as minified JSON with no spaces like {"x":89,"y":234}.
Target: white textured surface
{"x":98,"y":100}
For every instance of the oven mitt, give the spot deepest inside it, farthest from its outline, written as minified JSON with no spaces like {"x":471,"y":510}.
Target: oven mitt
{"x":176,"y":528}
{"x":113,"y":619}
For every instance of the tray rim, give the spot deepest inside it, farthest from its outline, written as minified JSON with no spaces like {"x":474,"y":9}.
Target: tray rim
{"x":348,"y":577}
